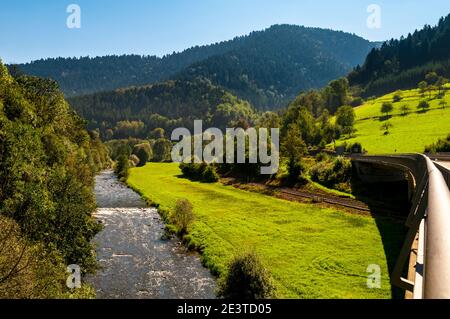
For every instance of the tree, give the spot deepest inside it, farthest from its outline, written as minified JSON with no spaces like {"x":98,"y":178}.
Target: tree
{"x":386,"y":126}
{"x":345,"y":117}
{"x":404,"y":109}
{"x":336,"y":94}
{"x":269,"y":120}
{"x":293,"y":148}
{"x":47,"y":166}
{"x":423,"y":106}
{"x":303,"y":119}
{"x":443,"y":104}
{"x":161,"y":150}
{"x":423,"y":86}
{"x":157,"y":133}
{"x":440,"y":83}
{"x":122,"y":167}
{"x":387,"y":108}
{"x":143,"y":152}
{"x":432,"y":78}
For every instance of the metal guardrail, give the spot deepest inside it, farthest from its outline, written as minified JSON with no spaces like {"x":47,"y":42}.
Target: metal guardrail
{"x":430,"y":217}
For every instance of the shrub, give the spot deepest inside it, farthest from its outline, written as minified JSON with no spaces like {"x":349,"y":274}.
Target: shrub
{"x":442,"y":145}
{"x":161,"y":150}
{"x":143,"y":152}
{"x":322,"y":157}
{"x":295,"y":171}
{"x":210,"y":175}
{"x":333,"y":173}
{"x":246,"y":279}
{"x":200,"y":172}
{"x":182,"y":216}
{"x":355,"y":148}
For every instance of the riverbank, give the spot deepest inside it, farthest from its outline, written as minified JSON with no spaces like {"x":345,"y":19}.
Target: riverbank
{"x":311,"y":252}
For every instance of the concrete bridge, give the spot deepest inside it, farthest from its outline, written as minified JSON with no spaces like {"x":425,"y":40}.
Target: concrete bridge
{"x":425,"y":255}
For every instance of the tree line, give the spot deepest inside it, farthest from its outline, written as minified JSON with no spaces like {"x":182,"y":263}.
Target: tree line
{"x":401,"y":64}
{"x":47,"y":165}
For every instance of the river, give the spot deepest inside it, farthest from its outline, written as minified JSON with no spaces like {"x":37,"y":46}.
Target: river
{"x":136,"y":263}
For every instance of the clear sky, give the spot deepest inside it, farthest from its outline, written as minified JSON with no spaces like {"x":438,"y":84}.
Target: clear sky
{"x":33,"y":29}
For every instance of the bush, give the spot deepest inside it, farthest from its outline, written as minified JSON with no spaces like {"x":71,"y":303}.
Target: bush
{"x":199,"y":172}
{"x":161,"y":150}
{"x":333,"y":173}
{"x":143,"y":152}
{"x":182,"y":216}
{"x":442,"y":145}
{"x":295,"y":171}
{"x":210,"y":175}
{"x":322,"y":157}
{"x":246,"y":279}
{"x":355,"y":148}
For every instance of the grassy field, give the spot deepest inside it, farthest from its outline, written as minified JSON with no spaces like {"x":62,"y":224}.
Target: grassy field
{"x":311,"y":252}
{"x":410,"y":133}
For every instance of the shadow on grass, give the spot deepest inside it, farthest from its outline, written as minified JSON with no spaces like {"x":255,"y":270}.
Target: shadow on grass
{"x":389,"y":206}
{"x":385,"y":118}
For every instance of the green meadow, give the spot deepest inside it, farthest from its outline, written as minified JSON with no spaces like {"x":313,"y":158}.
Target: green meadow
{"x":311,"y":252}
{"x":410,"y":132}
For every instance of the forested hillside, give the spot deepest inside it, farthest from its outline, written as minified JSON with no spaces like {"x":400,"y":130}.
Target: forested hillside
{"x":138,"y":111}
{"x":268,"y":67}
{"x":403,"y":63}
{"x":273,"y":66}
{"x":79,"y":76}
{"x":47,"y":164}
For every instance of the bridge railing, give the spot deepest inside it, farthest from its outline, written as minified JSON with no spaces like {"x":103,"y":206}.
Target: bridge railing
{"x":437,"y":234}
{"x":430,"y":218}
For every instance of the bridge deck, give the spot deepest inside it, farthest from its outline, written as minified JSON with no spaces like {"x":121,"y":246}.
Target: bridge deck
{"x":445,"y":164}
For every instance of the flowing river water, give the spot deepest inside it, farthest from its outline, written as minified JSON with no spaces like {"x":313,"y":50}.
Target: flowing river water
{"x":136,"y":263}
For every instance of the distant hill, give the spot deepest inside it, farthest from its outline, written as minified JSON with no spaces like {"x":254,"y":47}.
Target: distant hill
{"x":403,"y":63}
{"x":270,"y":67}
{"x":168,"y":105}
{"x":267,"y":67}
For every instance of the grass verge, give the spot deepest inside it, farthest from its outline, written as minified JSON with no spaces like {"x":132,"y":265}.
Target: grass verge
{"x":311,"y":252}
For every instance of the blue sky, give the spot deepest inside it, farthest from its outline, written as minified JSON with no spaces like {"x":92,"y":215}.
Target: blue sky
{"x":33,"y":29}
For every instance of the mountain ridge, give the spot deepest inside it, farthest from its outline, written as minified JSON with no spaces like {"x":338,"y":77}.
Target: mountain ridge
{"x":309,"y":58}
